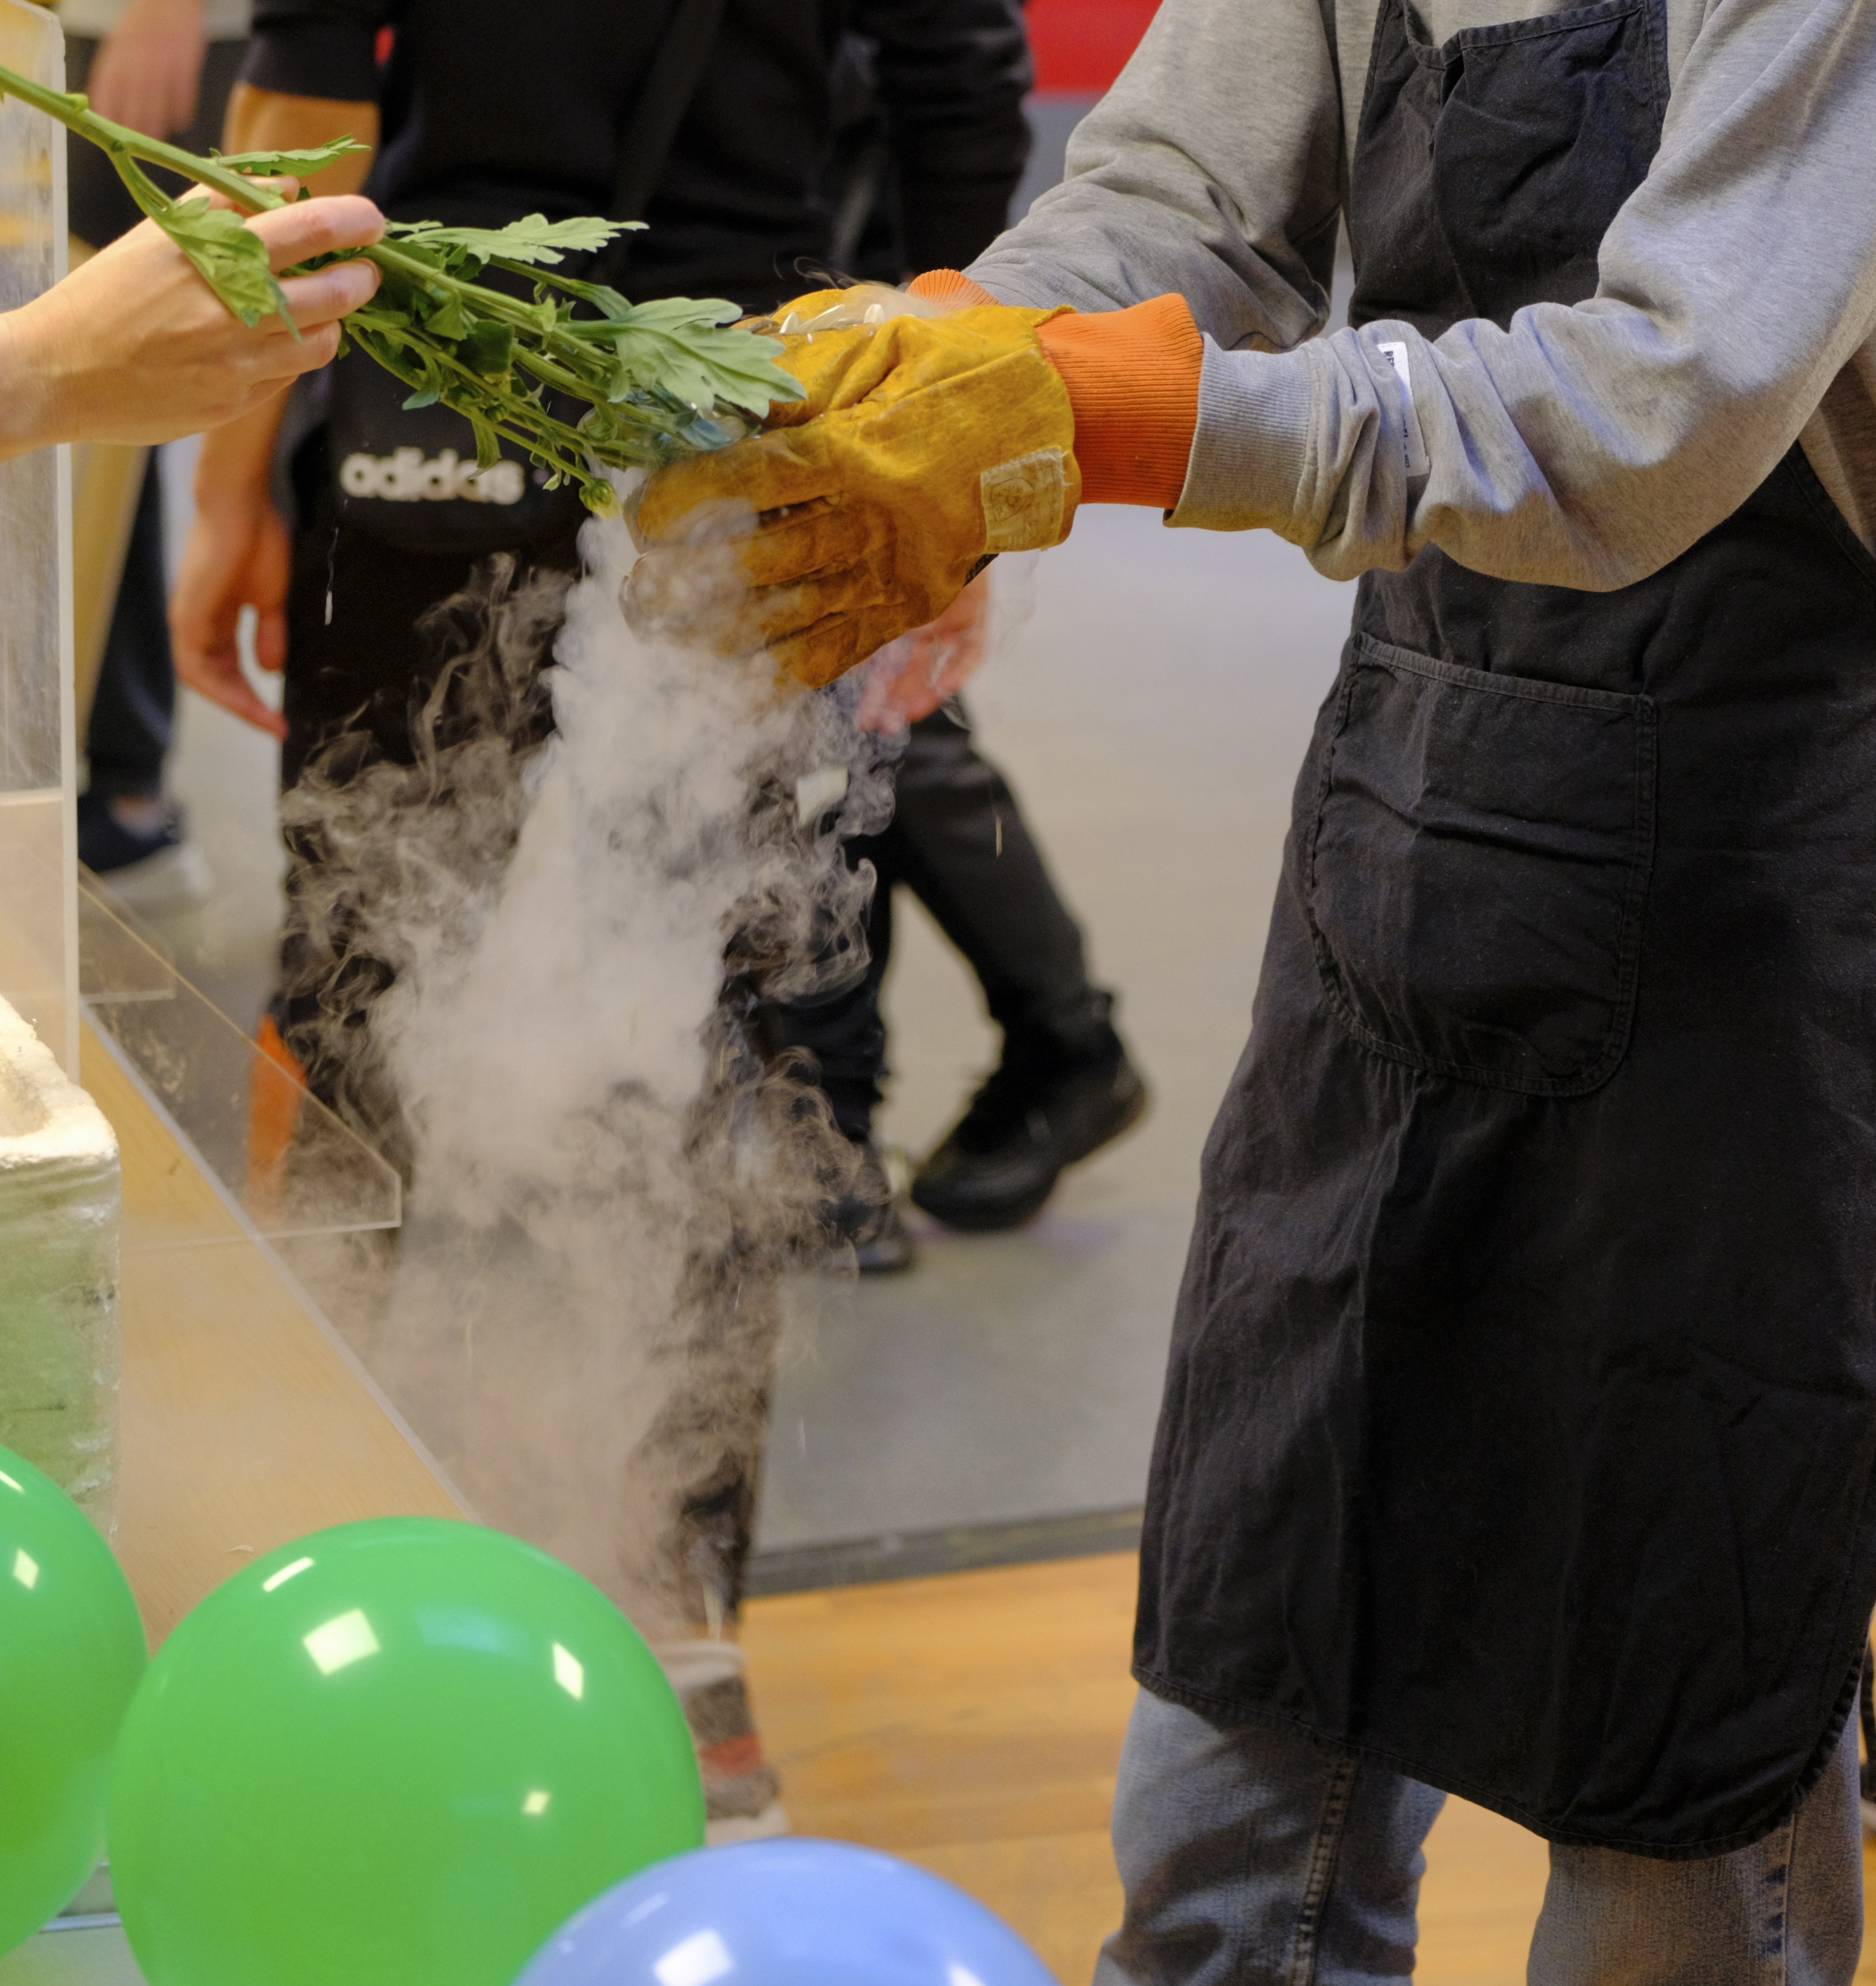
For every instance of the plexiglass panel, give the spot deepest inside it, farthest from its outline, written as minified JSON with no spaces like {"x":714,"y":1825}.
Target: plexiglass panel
{"x":293,"y":1167}
{"x":39,"y":946}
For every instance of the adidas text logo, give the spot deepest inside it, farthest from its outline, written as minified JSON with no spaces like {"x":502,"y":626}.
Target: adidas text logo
{"x":406,"y":477}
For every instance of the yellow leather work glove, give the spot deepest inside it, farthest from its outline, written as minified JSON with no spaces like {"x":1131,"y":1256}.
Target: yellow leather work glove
{"x":923,"y":444}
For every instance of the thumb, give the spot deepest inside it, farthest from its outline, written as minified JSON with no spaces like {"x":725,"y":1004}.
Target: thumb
{"x":233,"y":691}
{"x":270,"y":639}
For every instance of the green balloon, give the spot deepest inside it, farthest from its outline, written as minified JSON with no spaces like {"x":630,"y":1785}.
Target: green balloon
{"x":399,"y":1753}
{"x":71,"y":1651}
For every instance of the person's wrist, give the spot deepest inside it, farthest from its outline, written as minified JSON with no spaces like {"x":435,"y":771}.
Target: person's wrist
{"x":32,"y":384}
{"x":232,"y":499}
{"x":164,"y":14}
{"x":234,"y":474}
{"x":1133,"y":380}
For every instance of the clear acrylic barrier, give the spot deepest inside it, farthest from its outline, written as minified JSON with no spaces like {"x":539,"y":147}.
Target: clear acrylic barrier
{"x":39,"y":948}
{"x":119,"y":957}
{"x":289,"y":1162}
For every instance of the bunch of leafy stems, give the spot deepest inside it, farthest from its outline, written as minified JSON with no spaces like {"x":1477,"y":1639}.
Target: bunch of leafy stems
{"x":660,"y":381}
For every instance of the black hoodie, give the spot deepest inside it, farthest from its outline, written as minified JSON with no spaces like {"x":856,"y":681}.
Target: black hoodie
{"x":492,"y":110}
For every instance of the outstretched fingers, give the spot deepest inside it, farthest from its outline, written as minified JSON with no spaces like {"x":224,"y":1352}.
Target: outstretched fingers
{"x":820,"y":654}
{"x":698,"y":499}
{"x":727,"y":615}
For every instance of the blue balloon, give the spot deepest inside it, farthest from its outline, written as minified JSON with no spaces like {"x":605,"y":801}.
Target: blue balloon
{"x":786,"y":1912}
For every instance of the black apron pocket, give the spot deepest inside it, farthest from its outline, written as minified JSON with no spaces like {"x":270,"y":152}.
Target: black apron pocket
{"x":1477,"y":868}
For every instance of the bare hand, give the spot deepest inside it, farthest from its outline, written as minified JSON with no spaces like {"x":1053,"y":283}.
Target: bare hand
{"x":909,"y":678}
{"x":149,"y":67}
{"x":237,"y":555}
{"x":134,"y":347}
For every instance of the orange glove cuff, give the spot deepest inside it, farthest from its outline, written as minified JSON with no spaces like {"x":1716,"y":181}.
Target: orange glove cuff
{"x":1132,"y":377}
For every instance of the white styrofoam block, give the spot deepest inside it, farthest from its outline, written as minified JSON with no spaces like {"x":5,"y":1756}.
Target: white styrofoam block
{"x":60,"y":1196}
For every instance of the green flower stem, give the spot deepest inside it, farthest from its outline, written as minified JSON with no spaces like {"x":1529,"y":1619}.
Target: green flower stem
{"x":75,"y":113}
{"x":252,"y":196}
{"x":539,"y":447}
{"x":551,"y":429}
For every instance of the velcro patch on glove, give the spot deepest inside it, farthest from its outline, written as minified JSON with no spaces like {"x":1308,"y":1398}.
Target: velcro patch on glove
{"x":1023,"y":502}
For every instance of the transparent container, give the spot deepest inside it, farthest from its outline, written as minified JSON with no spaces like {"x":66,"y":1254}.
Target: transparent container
{"x":279,"y":1156}
{"x":38,"y":909}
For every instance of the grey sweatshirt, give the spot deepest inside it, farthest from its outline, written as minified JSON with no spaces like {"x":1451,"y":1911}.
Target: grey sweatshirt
{"x":1586,"y":445}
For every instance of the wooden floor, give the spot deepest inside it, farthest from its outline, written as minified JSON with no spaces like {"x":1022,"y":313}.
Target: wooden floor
{"x":972,"y":1723}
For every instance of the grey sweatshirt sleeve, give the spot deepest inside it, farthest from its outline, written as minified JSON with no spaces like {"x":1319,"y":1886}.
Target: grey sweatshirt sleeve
{"x":1583,"y":447}
{"x":1213,"y":167}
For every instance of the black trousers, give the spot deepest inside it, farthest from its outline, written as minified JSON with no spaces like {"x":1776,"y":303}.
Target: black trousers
{"x":133,"y":707}
{"x":959,"y":843}
{"x":368,"y":635}
{"x":957,"y":839}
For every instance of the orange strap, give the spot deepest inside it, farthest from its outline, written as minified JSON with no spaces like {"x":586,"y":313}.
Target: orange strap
{"x":1132,"y":377}
{"x":276,"y":1089}
{"x":949,"y":286}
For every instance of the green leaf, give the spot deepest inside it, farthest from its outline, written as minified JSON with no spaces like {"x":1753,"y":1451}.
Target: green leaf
{"x":689,"y":348}
{"x":231,"y":259}
{"x":299,"y":165}
{"x":488,"y":446}
{"x":450,"y":321}
{"x":700,"y":364}
{"x":677,"y":314}
{"x":428,"y":398}
{"x":534,"y":239}
{"x":488,"y":348}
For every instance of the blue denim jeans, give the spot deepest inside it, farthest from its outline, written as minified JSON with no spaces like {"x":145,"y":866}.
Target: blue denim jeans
{"x":1252,"y":1856}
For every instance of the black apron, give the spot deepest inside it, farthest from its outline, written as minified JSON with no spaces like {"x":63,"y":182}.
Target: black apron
{"x":1521,"y":1416}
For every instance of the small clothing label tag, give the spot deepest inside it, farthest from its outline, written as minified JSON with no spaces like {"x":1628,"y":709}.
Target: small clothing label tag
{"x":1396,"y":354}
{"x":1023,"y":501}
{"x":818,"y":792}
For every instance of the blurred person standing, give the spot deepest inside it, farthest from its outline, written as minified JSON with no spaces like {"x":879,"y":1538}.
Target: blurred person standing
{"x":710,"y":119}
{"x":164,"y":67}
{"x":1063,"y":1086}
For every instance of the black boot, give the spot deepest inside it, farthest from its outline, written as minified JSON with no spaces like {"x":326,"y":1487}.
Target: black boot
{"x":1049,"y":1103}
{"x":867,"y":1218}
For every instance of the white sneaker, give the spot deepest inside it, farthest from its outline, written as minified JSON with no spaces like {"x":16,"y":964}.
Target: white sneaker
{"x":742,"y":1791}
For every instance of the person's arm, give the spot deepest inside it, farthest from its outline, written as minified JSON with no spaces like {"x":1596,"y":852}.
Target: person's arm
{"x":1586,"y":445}
{"x":951,"y":76}
{"x":148,"y":69}
{"x":1214,"y":168}
{"x":236,"y":554}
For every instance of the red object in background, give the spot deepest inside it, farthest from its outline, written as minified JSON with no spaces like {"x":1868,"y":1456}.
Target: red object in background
{"x":1083,"y":45}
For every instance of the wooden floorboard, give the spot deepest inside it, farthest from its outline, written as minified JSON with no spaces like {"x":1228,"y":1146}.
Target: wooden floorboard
{"x":972,"y":1723}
